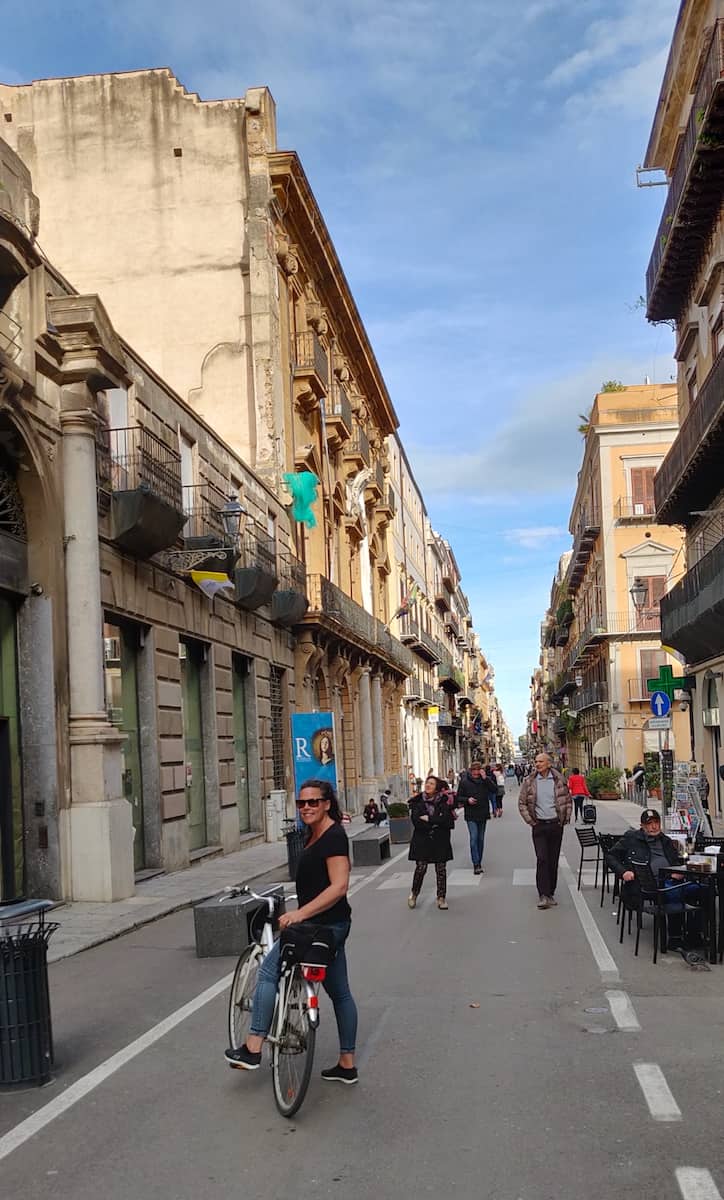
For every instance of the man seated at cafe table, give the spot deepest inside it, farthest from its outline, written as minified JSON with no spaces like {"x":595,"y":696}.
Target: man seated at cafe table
{"x":649,"y":846}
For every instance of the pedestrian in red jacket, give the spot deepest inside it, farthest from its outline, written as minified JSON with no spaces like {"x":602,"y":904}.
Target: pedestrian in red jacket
{"x":579,"y":790}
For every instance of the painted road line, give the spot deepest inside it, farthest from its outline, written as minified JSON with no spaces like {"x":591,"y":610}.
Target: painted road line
{"x":622,"y":1011}
{"x":657,"y":1092}
{"x":599,"y":949}
{"x":524,"y":877}
{"x":375,"y":874}
{"x":81,"y":1088}
{"x":697,"y":1184}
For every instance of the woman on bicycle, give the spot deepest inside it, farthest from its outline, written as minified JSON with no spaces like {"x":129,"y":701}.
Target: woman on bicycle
{"x":433,"y":817}
{"x":322,"y":881}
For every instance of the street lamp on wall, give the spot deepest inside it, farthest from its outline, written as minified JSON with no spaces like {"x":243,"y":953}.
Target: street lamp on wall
{"x":233,"y":518}
{"x":639,"y":593}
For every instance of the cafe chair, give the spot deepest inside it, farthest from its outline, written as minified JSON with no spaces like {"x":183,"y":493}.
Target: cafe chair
{"x":650,"y":901}
{"x":607,"y":841}
{"x":588,"y":839}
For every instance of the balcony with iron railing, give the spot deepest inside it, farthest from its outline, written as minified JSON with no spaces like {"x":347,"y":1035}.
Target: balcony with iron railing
{"x":694,"y":197}
{"x":638,"y":693}
{"x":338,"y":416}
{"x":203,"y":504}
{"x":310,"y":361}
{"x":587,"y":530}
{"x":626,"y":509}
{"x":289,"y":602}
{"x":450,"y":678}
{"x":692,"y":613}
{"x":11,"y":337}
{"x":376,"y":482}
{"x":357,"y":449}
{"x":139,"y":480}
{"x":332,"y":608}
{"x":386,"y":505}
{"x":646,"y":622}
{"x":589,"y":696}
{"x":690,"y":475}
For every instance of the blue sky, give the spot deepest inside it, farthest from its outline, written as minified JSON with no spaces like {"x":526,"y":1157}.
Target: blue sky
{"x":475,"y":162}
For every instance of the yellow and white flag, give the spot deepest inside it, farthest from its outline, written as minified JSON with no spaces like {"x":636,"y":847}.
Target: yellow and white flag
{"x":211,"y":582}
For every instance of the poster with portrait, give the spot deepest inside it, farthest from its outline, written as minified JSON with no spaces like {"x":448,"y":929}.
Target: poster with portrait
{"x":314,"y":748}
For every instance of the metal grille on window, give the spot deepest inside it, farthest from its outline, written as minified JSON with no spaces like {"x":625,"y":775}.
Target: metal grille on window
{"x":276,"y":704}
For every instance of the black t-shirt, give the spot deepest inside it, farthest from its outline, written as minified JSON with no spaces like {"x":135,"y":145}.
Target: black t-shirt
{"x":313,"y":877}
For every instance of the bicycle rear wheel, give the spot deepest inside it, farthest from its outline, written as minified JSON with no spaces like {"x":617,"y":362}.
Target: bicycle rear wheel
{"x":241,"y":998}
{"x":293,"y":1053}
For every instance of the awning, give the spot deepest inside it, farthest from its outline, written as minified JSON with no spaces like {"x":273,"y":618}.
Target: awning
{"x":602,"y":747}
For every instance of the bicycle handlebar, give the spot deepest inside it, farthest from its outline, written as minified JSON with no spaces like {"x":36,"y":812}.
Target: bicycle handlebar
{"x":243,"y":889}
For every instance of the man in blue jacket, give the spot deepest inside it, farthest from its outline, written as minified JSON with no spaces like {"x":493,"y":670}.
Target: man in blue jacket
{"x":473,"y":796}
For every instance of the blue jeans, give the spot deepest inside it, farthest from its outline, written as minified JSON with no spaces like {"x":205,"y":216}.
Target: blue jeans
{"x":476,"y":830}
{"x":690,"y":892}
{"x":336,"y":985}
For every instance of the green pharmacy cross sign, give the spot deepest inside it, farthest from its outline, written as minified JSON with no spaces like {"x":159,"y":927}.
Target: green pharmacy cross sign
{"x":668,"y":683}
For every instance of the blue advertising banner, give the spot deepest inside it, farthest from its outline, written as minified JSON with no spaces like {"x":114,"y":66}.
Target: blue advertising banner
{"x":314,"y":748}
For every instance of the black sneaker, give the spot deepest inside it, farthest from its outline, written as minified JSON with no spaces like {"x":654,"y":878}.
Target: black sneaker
{"x":477,"y":870}
{"x":242,"y":1059}
{"x":341,"y":1074}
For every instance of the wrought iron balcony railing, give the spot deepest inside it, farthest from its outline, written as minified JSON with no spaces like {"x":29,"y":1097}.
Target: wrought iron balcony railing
{"x":587,"y":697}
{"x":628,"y":509}
{"x":692,"y":613}
{"x":203,"y":504}
{"x":136,"y":458}
{"x":694,"y":196}
{"x":258,"y":549}
{"x":311,"y":355}
{"x":358,"y":446}
{"x":329,"y":603}
{"x":690,"y":475}
{"x":647,"y":621}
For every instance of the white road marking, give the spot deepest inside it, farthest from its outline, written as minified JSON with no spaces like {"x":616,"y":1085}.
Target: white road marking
{"x":657,"y":1092}
{"x":375,"y":874}
{"x":524,"y":877}
{"x":599,"y":949}
{"x":464,"y":879}
{"x":622,"y":1011}
{"x":697,"y":1184}
{"x":81,"y":1088}
{"x":400,"y":879}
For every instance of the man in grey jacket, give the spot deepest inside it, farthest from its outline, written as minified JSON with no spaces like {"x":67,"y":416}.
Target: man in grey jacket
{"x":545,"y":804}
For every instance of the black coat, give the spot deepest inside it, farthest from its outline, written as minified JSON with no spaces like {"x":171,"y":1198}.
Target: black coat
{"x":478,"y":790}
{"x":634,"y":847}
{"x":431,"y":839}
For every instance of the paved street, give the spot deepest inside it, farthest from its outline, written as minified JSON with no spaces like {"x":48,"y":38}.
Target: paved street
{"x":492,"y":1064}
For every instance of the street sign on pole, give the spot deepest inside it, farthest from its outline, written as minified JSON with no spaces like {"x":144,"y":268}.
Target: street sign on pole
{"x":660,"y":704}
{"x":659,"y":723}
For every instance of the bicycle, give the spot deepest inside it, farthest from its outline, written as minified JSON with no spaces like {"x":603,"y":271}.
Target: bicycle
{"x":293,"y":1030}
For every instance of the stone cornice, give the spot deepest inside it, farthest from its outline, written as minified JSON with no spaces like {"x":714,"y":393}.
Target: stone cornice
{"x":89,"y":350}
{"x":310,"y":233}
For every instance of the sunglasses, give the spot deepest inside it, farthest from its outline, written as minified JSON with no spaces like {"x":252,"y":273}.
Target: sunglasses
{"x":313,"y":803}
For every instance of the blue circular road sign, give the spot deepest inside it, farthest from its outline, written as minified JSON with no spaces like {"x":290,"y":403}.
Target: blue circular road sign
{"x":660,"y":704}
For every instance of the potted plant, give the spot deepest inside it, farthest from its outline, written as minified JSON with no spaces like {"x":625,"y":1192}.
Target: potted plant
{"x":604,"y":783}
{"x":400,"y":824}
{"x":652,"y":772}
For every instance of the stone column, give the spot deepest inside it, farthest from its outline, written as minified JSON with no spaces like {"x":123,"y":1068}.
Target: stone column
{"x":365,"y":720}
{"x":378,"y":740}
{"x":100,"y":821}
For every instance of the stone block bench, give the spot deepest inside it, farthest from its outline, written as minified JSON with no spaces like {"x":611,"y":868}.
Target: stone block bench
{"x":371,"y":847}
{"x":222,"y":925}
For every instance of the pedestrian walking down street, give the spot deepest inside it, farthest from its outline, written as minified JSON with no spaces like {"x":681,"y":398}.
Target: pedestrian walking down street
{"x":578,"y":788}
{"x":433,"y":818}
{"x":473,"y":797}
{"x":545,"y":804}
{"x":499,"y":775}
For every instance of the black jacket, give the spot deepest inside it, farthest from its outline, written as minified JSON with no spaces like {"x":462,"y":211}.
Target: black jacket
{"x":634,"y":847}
{"x":475,"y":789}
{"x":431,"y":839}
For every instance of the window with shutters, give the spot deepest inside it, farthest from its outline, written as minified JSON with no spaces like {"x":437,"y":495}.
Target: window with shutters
{"x":642,"y":491}
{"x":648,"y":617}
{"x":276,"y":709}
{"x":650,"y":661}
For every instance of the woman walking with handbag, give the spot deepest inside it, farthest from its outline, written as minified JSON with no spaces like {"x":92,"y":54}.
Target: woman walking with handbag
{"x":322,"y":881}
{"x":433,"y":818}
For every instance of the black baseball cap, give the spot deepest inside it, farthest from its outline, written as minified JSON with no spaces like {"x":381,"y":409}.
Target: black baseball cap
{"x":650,"y":814}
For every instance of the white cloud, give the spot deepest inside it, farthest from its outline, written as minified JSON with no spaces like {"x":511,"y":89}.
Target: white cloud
{"x":535,"y":536}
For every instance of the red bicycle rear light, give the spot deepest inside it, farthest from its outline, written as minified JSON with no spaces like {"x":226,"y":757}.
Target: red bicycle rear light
{"x":314,"y":974}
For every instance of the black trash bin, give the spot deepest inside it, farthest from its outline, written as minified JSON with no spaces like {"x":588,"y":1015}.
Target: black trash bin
{"x":26,"y":1036}
{"x":295,"y":845}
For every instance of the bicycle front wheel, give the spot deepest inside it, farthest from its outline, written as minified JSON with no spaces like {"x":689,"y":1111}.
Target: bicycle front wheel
{"x":241,"y":999}
{"x":293,"y":1053}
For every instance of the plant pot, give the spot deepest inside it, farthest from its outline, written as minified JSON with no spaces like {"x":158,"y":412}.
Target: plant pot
{"x":608,"y":796}
{"x":400,"y":830}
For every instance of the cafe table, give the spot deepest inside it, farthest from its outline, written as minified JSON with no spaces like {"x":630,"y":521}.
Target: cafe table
{"x":710,"y":880}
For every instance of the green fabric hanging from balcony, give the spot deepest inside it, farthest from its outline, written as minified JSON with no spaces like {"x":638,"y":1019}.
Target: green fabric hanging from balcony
{"x":303,"y":488}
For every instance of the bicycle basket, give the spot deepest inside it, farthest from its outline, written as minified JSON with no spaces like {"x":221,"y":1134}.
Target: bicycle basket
{"x":312,"y":945}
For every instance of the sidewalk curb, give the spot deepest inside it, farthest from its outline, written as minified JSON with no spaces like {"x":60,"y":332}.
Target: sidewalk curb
{"x":174,"y":906}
